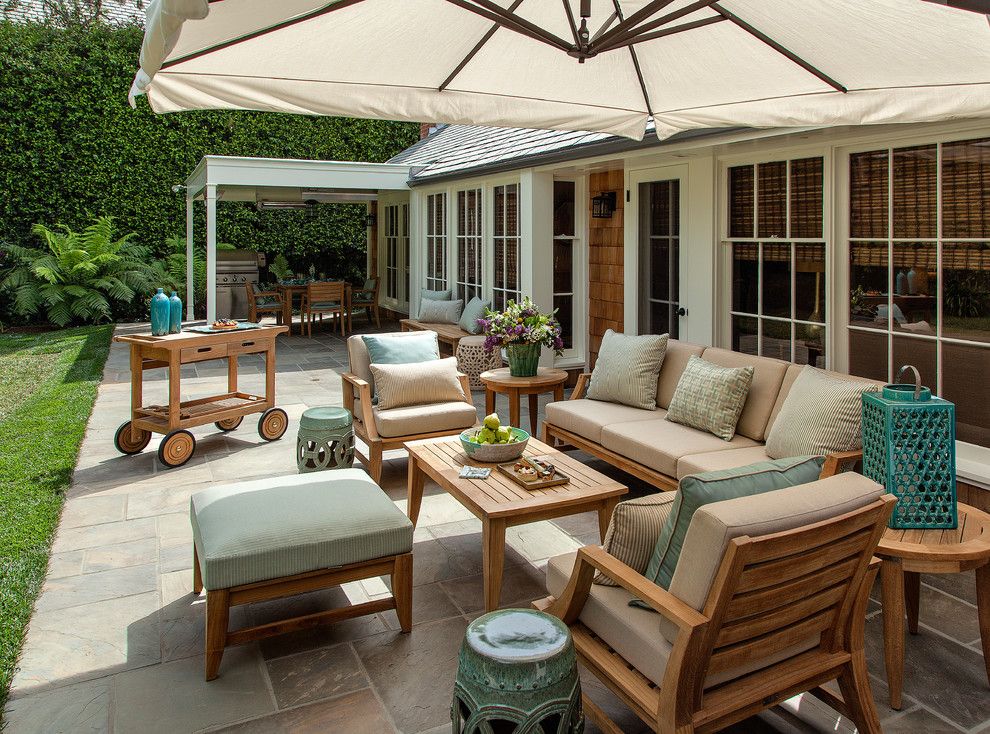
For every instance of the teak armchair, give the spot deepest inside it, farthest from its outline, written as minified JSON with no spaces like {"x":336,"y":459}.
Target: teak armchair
{"x":261,"y":302}
{"x":366,"y":297}
{"x":770,"y":594}
{"x":321,"y":298}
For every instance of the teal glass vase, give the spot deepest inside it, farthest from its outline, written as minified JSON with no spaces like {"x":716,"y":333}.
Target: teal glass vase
{"x":160,"y":313}
{"x":174,"y":314}
{"x":524,"y":359}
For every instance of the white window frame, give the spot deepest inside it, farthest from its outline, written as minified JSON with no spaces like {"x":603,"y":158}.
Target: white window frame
{"x":463,"y":288}
{"x":436,"y":241}
{"x":506,"y":238}
{"x":724,"y":259}
{"x":576,"y":355}
{"x":398,"y":207}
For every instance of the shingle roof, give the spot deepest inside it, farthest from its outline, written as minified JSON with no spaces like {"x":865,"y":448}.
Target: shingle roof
{"x":458,"y":150}
{"x":113,"y":12}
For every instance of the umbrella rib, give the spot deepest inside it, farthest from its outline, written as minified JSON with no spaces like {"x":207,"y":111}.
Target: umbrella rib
{"x":669,"y":31}
{"x":494,"y":12}
{"x":633,"y":34}
{"x":626,"y":24}
{"x":786,"y":52}
{"x":605,"y":26}
{"x":635,"y":61}
{"x":474,"y":51}
{"x":570,"y":20}
{"x":328,"y":8}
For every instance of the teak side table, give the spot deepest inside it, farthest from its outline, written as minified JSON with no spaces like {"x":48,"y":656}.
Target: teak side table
{"x":226,"y":410}
{"x":501,"y":381}
{"x":906,"y":554}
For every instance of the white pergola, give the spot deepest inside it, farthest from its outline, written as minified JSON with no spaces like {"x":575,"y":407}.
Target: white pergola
{"x":275,"y":182}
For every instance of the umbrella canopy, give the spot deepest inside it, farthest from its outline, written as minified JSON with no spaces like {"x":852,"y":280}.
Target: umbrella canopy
{"x":602,"y":65}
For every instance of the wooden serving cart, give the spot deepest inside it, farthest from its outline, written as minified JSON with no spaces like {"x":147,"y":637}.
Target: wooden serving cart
{"x":225,"y":410}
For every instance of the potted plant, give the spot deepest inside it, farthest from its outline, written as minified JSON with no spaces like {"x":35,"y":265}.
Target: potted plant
{"x":523,"y":331}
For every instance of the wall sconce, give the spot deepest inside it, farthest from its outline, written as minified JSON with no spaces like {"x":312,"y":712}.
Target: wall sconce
{"x":603,"y":205}
{"x":369,"y":220}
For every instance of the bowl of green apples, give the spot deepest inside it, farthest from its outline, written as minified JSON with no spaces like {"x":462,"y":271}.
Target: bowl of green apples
{"x":494,"y":443}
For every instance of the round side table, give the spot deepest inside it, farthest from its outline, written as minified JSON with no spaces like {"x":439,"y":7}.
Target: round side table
{"x":517,"y":671}
{"x":325,"y":440}
{"x":502,"y":381}
{"x":908,"y":553}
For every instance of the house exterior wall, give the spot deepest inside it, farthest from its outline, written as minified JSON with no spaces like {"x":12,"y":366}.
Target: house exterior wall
{"x":605,"y":261}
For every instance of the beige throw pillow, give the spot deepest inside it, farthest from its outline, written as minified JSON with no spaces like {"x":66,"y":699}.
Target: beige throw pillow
{"x":417,"y":383}
{"x":710,"y":398}
{"x":628,"y":369}
{"x":633,"y":531}
{"x":822,"y":413}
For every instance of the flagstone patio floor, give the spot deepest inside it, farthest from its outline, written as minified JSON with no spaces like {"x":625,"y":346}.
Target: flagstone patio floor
{"x":116,"y":641}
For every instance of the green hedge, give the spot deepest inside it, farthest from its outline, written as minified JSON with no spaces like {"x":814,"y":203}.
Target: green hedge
{"x":72,"y":149}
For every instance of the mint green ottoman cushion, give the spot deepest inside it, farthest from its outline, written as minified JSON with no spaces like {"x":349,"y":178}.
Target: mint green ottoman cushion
{"x":281,"y":526}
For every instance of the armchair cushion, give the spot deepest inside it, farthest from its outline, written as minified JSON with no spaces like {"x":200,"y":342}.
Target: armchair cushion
{"x":361,"y":348}
{"x":710,"y":397}
{"x":473,"y":311}
{"x":627,"y":369}
{"x":418,"y":419}
{"x":633,"y":531}
{"x":418,"y":383}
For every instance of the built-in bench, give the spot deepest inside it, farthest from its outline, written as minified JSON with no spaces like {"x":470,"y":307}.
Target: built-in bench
{"x":449,"y":334}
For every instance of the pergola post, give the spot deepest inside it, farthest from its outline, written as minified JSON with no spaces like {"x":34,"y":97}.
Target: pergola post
{"x":190,"y":289}
{"x":211,"y":253}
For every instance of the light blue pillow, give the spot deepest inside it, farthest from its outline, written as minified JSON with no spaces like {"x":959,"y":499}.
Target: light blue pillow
{"x":697,"y":490}
{"x":427,"y":295}
{"x":473,"y":311}
{"x":422,"y":347}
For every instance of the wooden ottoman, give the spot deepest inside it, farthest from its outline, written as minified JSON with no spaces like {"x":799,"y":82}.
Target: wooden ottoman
{"x":277,"y":537}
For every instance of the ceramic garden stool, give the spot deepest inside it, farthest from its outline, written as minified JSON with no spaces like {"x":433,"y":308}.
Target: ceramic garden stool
{"x":472,"y":359}
{"x":325,"y":440}
{"x":517,"y":672}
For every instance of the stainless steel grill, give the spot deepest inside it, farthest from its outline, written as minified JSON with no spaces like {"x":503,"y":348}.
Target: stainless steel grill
{"x":235,"y":268}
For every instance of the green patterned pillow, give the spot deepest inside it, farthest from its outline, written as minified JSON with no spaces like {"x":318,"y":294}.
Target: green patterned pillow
{"x":710,"y":398}
{"x":627,"y":369}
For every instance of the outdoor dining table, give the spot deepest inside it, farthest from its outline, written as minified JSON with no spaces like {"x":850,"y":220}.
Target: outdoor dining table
{"x":292,"y":293}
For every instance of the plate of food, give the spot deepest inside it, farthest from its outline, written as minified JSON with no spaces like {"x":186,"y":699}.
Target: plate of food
{"x":534,"y":472}
{"x":221,"y":325}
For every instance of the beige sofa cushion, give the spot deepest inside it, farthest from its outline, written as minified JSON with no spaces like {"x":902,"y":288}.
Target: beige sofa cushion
{"x":785,"y":387}
{"x":417,"y":383}
{"x":586,"y":417}
{"x":416,"y":419}
{"x":674,"y":361}
{"x":768,"y":374}
{"x":659,"y":444}
{"x":360,"y":362}
{"x":627,"y":368}
{"x":716,"y":524}
{"x":719,"y":460}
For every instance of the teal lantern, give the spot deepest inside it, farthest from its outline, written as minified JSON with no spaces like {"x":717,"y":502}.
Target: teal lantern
{"x":909,"y":446}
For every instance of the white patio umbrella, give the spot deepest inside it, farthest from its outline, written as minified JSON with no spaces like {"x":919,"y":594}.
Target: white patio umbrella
{"x":603,"y":65}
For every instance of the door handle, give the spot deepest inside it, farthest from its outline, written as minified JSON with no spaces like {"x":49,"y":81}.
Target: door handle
{"x":681,"y":311}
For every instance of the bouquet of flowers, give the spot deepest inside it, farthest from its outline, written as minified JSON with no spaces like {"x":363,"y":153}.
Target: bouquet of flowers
{"x":521,"y":324}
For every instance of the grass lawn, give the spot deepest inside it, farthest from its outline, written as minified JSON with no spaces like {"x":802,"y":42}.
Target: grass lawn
{"x":47,"y":388}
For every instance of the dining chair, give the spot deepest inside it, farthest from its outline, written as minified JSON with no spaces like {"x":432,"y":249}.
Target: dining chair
{"x":324,"y":298}
{"x":366,"y":297}
{"x":262,"y":302}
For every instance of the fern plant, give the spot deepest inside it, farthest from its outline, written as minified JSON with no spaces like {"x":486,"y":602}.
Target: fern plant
{"x":174,"y":267}
{"x":77,"y":277}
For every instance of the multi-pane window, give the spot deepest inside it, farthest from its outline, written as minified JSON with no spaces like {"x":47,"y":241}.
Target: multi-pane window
{"x":469,"y":248}
{"x":776,"y":233}
{"x":919,"y":271}
{"x":436,"y":242}
{"x":564,"y":234}
{"x":394,"y":236}
{"x":505,"y":240}
{"x":660,"y":237}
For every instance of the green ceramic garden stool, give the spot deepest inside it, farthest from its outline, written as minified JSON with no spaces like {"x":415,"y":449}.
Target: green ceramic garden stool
{"x":517,"y":673}
{"x":325,"y":440}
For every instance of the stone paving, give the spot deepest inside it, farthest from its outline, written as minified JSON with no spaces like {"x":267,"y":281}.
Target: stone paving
{"x":116,"y":640}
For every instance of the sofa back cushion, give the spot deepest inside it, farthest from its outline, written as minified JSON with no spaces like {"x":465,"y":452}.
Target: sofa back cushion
{"x":785,"y":387}
{"x":627,"y":369}
{"x":359,"y":359}
{"x":674,"y":361}
{"x":715,"y":525}
{"x":768,"y":374}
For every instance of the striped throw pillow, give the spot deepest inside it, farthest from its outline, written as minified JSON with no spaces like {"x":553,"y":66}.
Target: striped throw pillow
{"x":710,"y":398}
{"x":633,"y":531}
{"x":417,"y":383}
{"x":628,"y":369}
{"x":822,"y":413}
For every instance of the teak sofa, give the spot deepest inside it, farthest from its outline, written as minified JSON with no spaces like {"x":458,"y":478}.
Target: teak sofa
{"x":659,"y":451}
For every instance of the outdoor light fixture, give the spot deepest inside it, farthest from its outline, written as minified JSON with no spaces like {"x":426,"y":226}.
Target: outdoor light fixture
{"x":603,"y":205}
{"x":369,"y":220}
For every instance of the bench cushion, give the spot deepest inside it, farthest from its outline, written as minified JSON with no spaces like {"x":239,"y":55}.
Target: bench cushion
{"x":281,"y":526}
{"x":587,"y":418}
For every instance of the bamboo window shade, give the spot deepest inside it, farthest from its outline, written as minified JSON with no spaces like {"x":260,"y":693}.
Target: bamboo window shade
{"x":764,"y":188}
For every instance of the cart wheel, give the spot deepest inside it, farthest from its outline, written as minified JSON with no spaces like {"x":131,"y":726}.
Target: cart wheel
{"x":123,"y":442}
{"x":230,"y":424}
{"x":176,"y":448}
{"x":272,"y":424}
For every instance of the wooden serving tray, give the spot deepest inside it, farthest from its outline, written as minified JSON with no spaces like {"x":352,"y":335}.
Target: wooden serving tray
{"x":509,"y":470}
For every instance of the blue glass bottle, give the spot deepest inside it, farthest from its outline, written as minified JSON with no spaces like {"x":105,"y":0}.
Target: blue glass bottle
{"x":160,"y":313}
{"x":175,"y":314}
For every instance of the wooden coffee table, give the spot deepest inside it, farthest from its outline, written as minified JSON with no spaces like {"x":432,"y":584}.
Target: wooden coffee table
{"x":906,"y":554}
{"x":500,"y":503}
{"x":501,"y":380}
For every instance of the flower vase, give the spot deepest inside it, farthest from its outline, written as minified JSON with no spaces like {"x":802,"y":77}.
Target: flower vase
{"x":524,"y":359}
{"x":175,"y":314}
{"x":160,"y":313}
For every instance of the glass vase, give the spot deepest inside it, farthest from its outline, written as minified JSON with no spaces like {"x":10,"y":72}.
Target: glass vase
{"x":524,"y":359}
